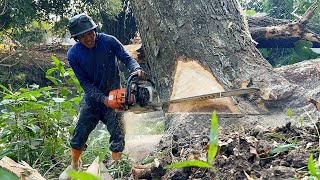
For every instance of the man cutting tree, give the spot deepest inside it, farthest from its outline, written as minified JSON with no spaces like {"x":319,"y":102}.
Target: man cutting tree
{"x":94,"y":61}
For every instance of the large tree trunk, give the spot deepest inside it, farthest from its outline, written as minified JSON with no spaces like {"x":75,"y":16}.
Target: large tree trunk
{"x":200,"y":47}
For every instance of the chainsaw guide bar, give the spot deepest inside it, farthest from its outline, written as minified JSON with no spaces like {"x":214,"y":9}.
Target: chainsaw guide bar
{"x":229,"y":93}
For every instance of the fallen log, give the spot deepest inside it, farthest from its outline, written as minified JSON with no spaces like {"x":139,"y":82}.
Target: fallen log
{"x":23,"y":170}
{"x":284,"y":34}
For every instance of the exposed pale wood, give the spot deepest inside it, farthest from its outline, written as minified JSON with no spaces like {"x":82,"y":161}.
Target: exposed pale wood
{"x":99,"y":170}
{"x":23,"y":170}
{"x":133,"y":50}
{"x":191,"y":79}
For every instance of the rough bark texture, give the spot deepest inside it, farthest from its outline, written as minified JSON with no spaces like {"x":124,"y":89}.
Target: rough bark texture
{"x":213,"y":33}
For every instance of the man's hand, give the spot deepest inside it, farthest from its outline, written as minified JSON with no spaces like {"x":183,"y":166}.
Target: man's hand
{"x":105,"y":101}
{"x":141,"y":74}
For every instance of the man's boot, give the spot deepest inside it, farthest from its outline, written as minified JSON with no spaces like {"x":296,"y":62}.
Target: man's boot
{"x":75,"y":164}
{"x":115,"y":156}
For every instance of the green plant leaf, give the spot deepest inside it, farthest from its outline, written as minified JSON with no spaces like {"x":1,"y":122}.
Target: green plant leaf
{"x":214,"y":136}
{"x":65,"y":91}
{"x":189,"y":164}
{"x":312,"y":168}
{"x":251,"y":12}
{"x":289,"y":112}
{"x":82,"y":175}
{"x":279,"y":136}
{"x":76,"y":100}
{"x":6,"y":175}
{"x":6,"y":89}
{"x":59,"y":64}
{"x":282,"y":148}
{"x":149,"y":160}
{"x":55,"y":81}
{"x":7,"y":101}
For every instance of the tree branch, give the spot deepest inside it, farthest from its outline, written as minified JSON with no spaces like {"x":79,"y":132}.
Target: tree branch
{"x":285,"y":34}
{"x":306,"y":16}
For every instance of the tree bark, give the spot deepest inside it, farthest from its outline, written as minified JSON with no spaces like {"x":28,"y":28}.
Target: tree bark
{"x":200,"y":47}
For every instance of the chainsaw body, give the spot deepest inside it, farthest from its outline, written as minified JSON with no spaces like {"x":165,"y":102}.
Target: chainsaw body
{"x":138,"y":97}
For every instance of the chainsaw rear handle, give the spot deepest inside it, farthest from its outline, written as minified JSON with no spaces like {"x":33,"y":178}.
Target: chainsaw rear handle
{"x":128,"y":87}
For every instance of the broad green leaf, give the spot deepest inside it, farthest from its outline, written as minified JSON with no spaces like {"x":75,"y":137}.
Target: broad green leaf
{"x":31,"y":95}
{"x":75,"y":100}
{"x":33,"y":98}
{"x":282,"y":148}
{"x":77,"y":83}
{"x":311,"y":165}
{"x":64,"y":91}
{"x":149,"y":160}
{"x":34,"y":128}
{"x":50,"y":71}
{"x":55,"y":81}
{"x":82,"y":175}
{"x":312,"y":168}
{"x":34,"y":105}
{"x":3,"y":140}
{"x":214,"y":136}
{"x":7,"y":101}
{"x":17,"y":93}
{"x":189,"y":164}
{"x":6,"y":175}
{"x":59,"y":64}
{"x":45,"y":88}
{"x":103,"y":153}
{"x":66,"y":105}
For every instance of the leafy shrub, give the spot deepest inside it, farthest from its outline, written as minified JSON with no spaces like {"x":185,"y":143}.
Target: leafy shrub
{"x":36,"y":123}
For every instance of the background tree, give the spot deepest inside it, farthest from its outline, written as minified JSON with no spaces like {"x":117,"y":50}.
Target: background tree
{"x":25,"y":18}
{"x":123,"y":26}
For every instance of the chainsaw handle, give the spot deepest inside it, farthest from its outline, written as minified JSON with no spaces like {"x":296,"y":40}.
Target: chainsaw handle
{"x":128,"y":88}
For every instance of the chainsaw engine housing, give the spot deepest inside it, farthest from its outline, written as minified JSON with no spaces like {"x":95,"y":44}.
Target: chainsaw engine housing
{"x":138,"y":97}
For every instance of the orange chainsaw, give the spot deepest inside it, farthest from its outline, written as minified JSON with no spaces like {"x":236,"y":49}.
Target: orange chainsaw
{"x":141,"y":97}
{"x":138,"y":96}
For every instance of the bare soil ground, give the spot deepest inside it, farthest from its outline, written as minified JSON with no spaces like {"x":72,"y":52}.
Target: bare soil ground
{"x":22,"y":67}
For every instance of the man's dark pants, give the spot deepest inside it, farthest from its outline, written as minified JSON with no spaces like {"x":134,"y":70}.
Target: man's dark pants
{"x":90,"y":114}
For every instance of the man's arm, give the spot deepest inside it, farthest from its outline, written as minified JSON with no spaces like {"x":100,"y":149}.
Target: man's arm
{"x":85,"y":82}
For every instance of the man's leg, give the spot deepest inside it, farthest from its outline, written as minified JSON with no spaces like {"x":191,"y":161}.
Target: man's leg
{"x":114,"y":123}
{"x":88,"y":120}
